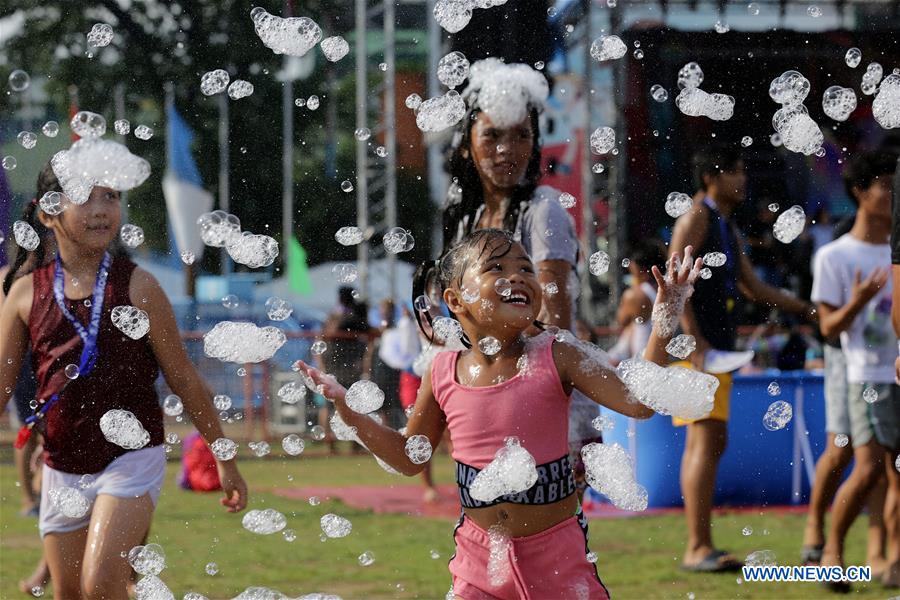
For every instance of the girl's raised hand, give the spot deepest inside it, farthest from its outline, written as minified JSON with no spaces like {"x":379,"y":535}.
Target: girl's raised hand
{"x":328,"y":385}
{"x":674,"y":288}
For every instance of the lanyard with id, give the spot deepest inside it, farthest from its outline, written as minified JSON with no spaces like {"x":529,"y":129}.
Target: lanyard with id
{"x":88,"y":337}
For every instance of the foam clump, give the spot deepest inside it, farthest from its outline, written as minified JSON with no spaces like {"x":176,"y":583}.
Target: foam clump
{"x":439,"y":113}
{"x":253,"y":250}
{"x":608,"y":47}
{"x":70,"y":502}
{"x":147,"y":560}
{"x":838,"y":102}
{"x":239,"y":342}
{"x":513,"y":470}
{"x":454,"y":15}
{"x":694,"y":102}
{"x":364,"y":397}
{"x":608,"y":470}
{"x":264,"y":522}
{"x":673,"y":390}
{"x":122,"y":428}
{"x":797,"y":130}
{"x":294,"y":36}
{"x":93,"y":161}
{"x":504,"y":92}
{"x":130,"y":320}
{"x":453,"y":69}
{"x":789,"y":224}
{"x":886,"y":105}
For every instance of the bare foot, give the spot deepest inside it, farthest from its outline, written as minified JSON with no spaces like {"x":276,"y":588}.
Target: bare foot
{"x":38,"y":578}
{"x":430,"y":496}
{"x":878,"y":566}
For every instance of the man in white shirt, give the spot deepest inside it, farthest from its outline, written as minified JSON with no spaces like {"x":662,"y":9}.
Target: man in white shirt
{"x":852,"y":289}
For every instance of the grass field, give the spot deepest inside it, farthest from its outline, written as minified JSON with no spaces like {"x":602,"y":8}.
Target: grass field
{"x":639,"y":557}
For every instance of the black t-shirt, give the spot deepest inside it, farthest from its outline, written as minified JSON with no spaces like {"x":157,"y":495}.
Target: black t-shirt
{"x":895,"y":221}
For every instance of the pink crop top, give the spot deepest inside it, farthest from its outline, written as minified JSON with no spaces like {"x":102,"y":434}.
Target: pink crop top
{"x":531,"y":406}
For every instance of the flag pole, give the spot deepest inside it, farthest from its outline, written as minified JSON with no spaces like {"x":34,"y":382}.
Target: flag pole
{"x":190,"y":271}
{"x":224,"y":166}
{"x":287,"y":155}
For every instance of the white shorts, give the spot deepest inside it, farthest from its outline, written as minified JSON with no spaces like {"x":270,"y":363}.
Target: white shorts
{"x":130,"y":476}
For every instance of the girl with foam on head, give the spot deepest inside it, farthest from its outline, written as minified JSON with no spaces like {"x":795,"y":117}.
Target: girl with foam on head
{"x":526,"y":538}
{"x":495,"y":166}
{"x":87,"y":367}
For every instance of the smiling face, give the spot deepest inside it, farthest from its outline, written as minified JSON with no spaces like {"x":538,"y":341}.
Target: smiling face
{"x":491,"y":268}
{"x":89,"y":226}
{"x":501,"y":156}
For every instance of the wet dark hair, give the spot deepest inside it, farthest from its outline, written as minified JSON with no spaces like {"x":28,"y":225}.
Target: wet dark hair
{"x":466,"y":194}
{"x":450,"y":268}
{"x":46,"y":182}
{"x":863,"y":168}
{"x":648,"y":252}
{"x":714,"y":160}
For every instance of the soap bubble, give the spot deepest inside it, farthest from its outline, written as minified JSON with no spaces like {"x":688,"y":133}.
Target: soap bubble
{"x":131,"y":235}
{"x":440,"y":113}
{"x":50,"y":129}
{"x":714,"y":259}
{"x":453,"y":69}
{"x":264,"y":522}
{"x":511,"y":471}
{"x":27,"y":139}
{"x":19,"y":80}
{"x":334,"y":48}
{"x":242,"y":343}
{"x":853,"y":57}
{"x":790,"y":87}
{"x":239,"y":89}
{"x":870,"y":395}
{"x":224,"y":448}
{"x":608,"y":469}
{"x":841,"y":440}
{"x":773,"y":389}
{"x":753,"y":8}
{"x":9,"y":162}
{"x":603,"y":140}
{"x":293,"y":444}
{"x":70,"y":502}
{"x":318,"y":348}
{"x":705,"y":273}
{"x":222,"y":401}
{"x":886,"y":106}
{"x":413,"y":101}
{"x":778,"y":415}
{"x":489,"y":345}
{"x":172,"y":405}
{"x":292,"y":392}
{"x":610,"y":47}
{"x":142,"y":132}
{"x":345,"y":272}
{"x":453,"y":15}
{"x":814,"y":11}
{"x":366,"y":559}
{"x":122,"y":126}
{"x":677,"y":204}
{"x":364,"y":397}
{"x":212,"y":568}
{"x":312,"y":103}
{"x":418,"y":449}
{"x":690,"y":76}
{"x":88,"y":124}
{"x":122,"y":428}
{"x":677,"y":391}
{"x":503,"y":287}
{"x":25,"y":235}
{"x":230,"y":301}
{"x":218,"y":228}
{"x":362,"y":134}
{"x":838,"y":102}
{"x":334,"y":526}
{"x":681,"y":346}
{"x":599,"y":263}
{"x":293,"y":36}
{"x":147,"y":560}
{"x":278,"y":309}
{"x":746,"y":141}
{"x":721,"y":27}
{"x":760,"y":558}
{"x":100,"y":35}
{"x":130,"y":320}
{"x":659,"y":93}
{"x":398,"y":240}
{"x":789,"y":224}
{"x":214,"y":82}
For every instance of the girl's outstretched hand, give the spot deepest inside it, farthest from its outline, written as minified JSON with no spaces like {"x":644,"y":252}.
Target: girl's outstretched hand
{"x":233,"y":485}
{"x":674,"y":288}
{"x":328,"y":385}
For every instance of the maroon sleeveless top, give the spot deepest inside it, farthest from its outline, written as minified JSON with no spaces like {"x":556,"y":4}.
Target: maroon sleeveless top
{"x":123,"y":377}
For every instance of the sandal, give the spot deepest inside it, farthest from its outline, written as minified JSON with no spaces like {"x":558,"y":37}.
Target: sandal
{"x":811,"y":555}
{"x":717,"y":561}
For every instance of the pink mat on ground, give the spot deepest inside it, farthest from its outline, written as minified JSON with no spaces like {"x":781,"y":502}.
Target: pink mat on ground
{"x":408,"y":500}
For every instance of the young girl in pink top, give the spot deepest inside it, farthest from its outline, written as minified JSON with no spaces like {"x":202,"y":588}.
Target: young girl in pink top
{"x":533,"y":543}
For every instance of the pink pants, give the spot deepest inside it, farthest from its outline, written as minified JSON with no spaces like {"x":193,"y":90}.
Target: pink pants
{"x":549,"y":564}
